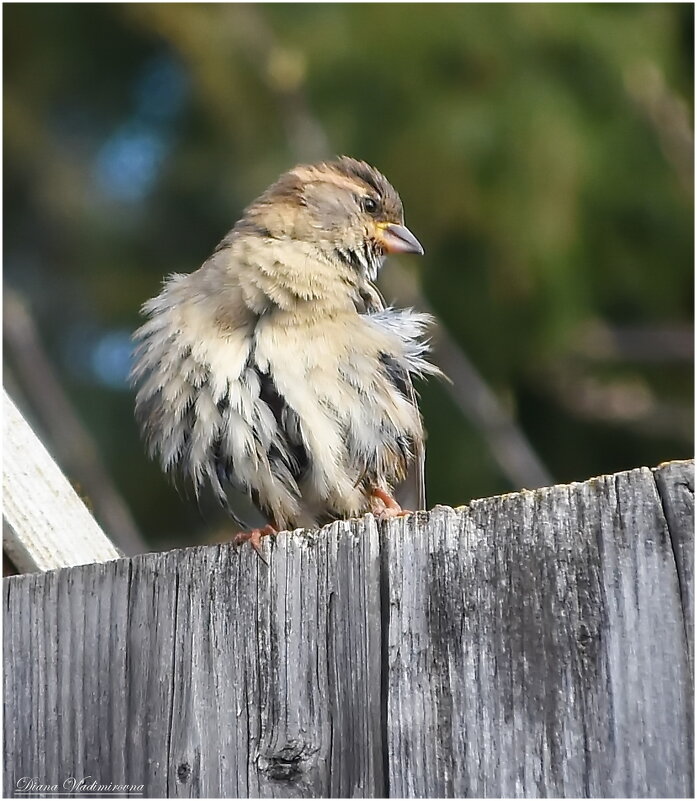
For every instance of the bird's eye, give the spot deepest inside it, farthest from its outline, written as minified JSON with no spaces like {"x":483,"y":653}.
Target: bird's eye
{"x":370,"y":205}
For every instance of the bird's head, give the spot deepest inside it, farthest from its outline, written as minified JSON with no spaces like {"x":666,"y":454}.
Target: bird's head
{"x":345,"y":208}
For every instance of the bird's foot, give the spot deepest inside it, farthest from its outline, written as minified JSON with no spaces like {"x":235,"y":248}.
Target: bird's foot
{"x":384,"y":506}
{"x":253,"y":537}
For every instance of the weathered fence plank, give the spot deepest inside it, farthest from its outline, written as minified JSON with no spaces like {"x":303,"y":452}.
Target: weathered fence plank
{"x":534,"y":646}
{"x":676,"y":487}
{"x":47,"y":523}
{"x":293,"y":652}
{"x":530,"y":645}
{"x":202,"y":672}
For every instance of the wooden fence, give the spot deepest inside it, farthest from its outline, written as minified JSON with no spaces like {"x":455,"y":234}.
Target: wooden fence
{"x":534,"y":644}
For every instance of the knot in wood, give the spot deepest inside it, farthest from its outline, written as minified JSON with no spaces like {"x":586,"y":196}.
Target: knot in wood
{"x":183,"y":772}
{"x":287,"y":763}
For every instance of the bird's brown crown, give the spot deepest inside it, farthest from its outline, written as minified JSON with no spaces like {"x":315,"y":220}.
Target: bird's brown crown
{"x":344,"y":173}
{"x":372,"y":181}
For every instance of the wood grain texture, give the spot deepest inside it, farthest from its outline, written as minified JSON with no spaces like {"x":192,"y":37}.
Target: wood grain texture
{"x":48,"y":525}
{"x":676,"y":488}
{"x":535,"y":644}
{"x":202,"y":672}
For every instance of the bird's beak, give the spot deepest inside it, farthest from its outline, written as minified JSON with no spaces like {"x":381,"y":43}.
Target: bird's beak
{"x":398,"y":239}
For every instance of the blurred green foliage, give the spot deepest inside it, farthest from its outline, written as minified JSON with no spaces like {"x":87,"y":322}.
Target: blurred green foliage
{"x":543,"y":153}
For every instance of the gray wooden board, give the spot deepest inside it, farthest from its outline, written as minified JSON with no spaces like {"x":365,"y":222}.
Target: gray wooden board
{"x":676,"y":487}
{"x":202,"y":672}
{"x":537,"y":647}
{"x":530,"y":645}
{"x":277,"y":670}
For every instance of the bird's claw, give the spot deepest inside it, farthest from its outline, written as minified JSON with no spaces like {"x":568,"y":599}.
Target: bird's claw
{"x":384,"y":506}
{"x":253,"y":537}
{"x":390,"y":514}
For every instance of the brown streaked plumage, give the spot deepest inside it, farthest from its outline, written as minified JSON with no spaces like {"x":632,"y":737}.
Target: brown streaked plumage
{"x":276,"y":368}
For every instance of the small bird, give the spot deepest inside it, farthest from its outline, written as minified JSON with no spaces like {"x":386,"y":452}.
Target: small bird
{"x":277,"y":369}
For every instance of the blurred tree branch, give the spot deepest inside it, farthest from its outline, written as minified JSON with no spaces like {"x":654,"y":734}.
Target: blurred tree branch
{"x":470,"y":392}
{"x":73,"y":446}
{"x":668,"y":115}
{"x":636,"y":343}
{"x":626,"y":401}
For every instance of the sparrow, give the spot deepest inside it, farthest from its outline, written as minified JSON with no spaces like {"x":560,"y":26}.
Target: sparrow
{"x":277,"y":369}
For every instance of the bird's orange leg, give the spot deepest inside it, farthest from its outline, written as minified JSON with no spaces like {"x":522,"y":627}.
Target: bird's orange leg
{"x":384,"y":506}
{"x":253,"y":537}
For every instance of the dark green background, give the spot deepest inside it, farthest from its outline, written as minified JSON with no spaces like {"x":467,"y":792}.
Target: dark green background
{"x":543,"y":154}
